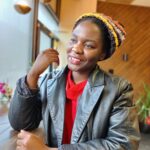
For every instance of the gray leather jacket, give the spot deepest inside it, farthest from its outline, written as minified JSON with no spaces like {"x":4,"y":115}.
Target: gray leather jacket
{"x":106,"y":118}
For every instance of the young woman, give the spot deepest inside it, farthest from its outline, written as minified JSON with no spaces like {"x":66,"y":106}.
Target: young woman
{"x":82,"y":107}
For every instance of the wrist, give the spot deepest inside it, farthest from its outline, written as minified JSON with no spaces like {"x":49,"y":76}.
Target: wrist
{"x":33,"y":75}
{"x":32,"y":80}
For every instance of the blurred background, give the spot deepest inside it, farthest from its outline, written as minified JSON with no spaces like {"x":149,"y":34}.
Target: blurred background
{"x":28,"y":27}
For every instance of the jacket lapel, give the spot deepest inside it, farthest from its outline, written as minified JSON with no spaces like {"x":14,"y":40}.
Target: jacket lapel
{"x":56,"y":103}
{"x":87,"y":102}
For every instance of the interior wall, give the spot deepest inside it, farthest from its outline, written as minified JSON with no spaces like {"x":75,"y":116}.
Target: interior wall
{"x":136,"y":46}
{"x":72,"y":9}
{"x":15,"y":42}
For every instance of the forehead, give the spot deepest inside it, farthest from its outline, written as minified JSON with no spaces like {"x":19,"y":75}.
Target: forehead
{"x":87,"y":29}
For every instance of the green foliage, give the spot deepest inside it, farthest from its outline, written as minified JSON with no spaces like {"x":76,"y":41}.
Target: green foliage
{"x":143,"y":103}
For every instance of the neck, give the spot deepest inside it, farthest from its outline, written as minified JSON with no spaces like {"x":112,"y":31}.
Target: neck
{"x":80,"y":76}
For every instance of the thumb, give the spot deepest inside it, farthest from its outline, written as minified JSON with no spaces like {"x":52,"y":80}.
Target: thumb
{"x":21,"y":134}
{"x":24,"y":133}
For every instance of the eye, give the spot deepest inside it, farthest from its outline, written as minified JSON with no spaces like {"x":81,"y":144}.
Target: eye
{"x":73,"y":40}
{"x":89,"y":46}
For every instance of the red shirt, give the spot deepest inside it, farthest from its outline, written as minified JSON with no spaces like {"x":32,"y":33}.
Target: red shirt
{"x":73,"y":91}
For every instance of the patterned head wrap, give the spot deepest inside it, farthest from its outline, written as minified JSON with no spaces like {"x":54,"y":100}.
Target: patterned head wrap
{"x":115,"y":30}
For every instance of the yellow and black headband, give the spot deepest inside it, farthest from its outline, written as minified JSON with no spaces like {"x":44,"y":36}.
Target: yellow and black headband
{"x":115,"y":29}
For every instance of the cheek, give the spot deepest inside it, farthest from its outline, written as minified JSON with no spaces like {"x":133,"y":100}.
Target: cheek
{"x":69,"y":47}
{"x":92,"y":56}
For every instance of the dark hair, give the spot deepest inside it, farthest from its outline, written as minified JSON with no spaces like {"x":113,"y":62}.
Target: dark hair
{"x":106,"y":37}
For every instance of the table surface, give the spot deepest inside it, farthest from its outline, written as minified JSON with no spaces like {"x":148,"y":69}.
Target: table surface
{"x":8,"y":136}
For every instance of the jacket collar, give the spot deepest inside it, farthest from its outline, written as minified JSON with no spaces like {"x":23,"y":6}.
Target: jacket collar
{"x":87,"y":101}
{"x":96,"y":77}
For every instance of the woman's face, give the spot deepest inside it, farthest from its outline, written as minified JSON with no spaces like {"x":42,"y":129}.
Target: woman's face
{"x":85,"y":47}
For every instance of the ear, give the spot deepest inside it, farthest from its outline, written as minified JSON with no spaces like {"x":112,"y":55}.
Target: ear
{"x":102,"y":56}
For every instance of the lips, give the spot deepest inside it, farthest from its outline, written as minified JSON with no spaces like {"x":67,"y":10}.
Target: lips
{"x":75,"y":61}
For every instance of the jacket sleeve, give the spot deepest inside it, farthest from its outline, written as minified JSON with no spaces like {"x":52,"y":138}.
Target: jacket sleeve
{"x":123,"y":132}
{"x":25,"y":107}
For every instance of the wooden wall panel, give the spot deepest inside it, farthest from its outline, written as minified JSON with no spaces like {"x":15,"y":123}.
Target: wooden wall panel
{"x":137,"y":44}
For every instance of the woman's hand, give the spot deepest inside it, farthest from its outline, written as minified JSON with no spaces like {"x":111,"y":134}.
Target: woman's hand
{"x":29,"y":141}
{"x":42,"y":61}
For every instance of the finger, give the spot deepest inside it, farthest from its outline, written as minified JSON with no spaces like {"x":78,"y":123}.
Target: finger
{"x":19,"y":142}
{"x":20,"y":148}
{"x":20,"y":135}
{"x":23,"y":131}
{"x":48,"y":53}
{"x":53,"y":58}
{"x":56,"y":60}
{"x":52,"y":55}
{"x":52,"y":51}
{"x":23,"y":134}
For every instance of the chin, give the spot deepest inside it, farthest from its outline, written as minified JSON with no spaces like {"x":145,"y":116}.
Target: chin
{"x":75,"y":68}
{"x":72,"y":68}
{"x":79,"y":69}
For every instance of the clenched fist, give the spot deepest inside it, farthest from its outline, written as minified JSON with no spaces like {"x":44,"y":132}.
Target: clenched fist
{"x":29,"y":141}
{"x":42,"y":61}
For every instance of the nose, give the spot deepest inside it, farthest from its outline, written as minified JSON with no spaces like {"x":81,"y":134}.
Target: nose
{"x":77,"y":48}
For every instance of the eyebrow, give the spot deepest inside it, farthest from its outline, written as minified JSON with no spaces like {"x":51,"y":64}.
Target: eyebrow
{"x":87,"y":40}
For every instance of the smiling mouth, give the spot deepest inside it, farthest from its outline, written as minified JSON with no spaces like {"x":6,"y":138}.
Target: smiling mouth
{"x":74,"y":60}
